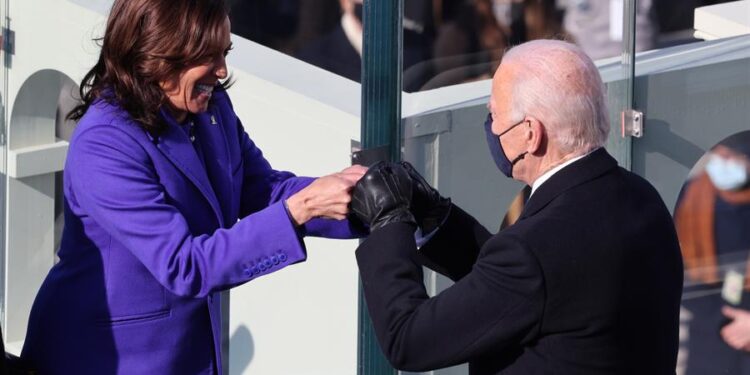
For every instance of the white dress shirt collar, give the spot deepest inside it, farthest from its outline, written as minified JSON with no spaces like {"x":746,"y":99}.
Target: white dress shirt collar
{"x":546,"y":175}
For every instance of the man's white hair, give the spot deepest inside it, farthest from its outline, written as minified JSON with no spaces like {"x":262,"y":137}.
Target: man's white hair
{"x":557,"y":83}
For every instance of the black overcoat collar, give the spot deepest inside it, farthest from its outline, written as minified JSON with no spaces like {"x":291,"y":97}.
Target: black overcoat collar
{"x":588,"y":168}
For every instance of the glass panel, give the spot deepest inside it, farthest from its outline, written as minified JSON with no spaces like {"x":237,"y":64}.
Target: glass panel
{"x":4,"y":57}
{"x":471,"y":36}
{"x":693,"y":96}
{"x":328,"y":33}
{"x":696,"y":100}
{"x":712,"y":215}
{"x":465,"y":39}
{"x":447,"y":143}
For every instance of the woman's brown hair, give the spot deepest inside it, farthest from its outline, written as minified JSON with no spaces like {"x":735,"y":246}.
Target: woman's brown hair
{"x":147,"y":42}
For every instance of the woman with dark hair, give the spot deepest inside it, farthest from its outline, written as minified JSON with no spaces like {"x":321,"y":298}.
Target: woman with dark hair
{"x":167,"y":203}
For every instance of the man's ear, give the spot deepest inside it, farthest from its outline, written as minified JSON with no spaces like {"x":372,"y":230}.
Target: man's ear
{"x":536,"y":136}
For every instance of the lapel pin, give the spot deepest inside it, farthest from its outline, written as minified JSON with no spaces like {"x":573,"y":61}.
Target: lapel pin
{"x":213,"y":120}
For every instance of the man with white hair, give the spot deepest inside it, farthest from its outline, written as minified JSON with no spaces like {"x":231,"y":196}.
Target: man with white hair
{"x":588,"y":281}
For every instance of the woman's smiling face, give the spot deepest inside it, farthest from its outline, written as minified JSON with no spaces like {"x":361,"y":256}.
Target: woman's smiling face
{"x":192,"y":89}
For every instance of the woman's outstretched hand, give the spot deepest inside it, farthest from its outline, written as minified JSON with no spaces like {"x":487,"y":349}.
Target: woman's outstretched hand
{"x":326,"y":197}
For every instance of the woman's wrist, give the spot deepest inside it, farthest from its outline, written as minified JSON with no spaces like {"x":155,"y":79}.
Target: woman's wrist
{"x":297,"y":209}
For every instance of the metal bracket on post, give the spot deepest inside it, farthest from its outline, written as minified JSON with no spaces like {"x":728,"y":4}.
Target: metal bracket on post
{"x":8,"y":41}
{"x":8,"y":44}
{"x":370,"y":156}
{"x":631,"y":123}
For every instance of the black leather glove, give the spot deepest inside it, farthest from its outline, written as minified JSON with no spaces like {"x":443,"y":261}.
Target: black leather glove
{"x":428,"y":207}
{"x":383,"y":195}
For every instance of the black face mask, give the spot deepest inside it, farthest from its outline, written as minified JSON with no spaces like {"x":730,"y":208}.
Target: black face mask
{"x":504,"y":164}
{"x":358,"y":12}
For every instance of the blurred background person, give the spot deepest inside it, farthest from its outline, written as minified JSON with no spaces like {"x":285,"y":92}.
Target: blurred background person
{"x":474,"y":33}
{"x":541,"y":19}
{"x":273,"y":23}
{"x":597,"y":26}
{"x":712,"y":218}
{"x":469,"y":44}
{"x":340,"y":50}
{"x":316,"y":18}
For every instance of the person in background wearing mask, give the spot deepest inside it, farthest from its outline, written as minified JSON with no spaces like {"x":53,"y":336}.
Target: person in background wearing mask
{"x":587,"y":281}
{"x":713,"y":224}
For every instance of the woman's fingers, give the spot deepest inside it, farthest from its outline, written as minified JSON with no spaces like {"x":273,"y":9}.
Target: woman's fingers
{"x":349,"y":178}
{"x":353,"y":173}
{"x":355,"y":169}
{"x":337,"y":211}
{"x":329,"y":196}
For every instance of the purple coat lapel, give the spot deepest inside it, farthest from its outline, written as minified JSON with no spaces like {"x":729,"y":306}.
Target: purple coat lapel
{"x":213,"y":142}
{"x":176,"y":146}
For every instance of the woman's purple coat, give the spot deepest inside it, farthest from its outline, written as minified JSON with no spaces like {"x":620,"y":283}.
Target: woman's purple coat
{"x":152,"y":237}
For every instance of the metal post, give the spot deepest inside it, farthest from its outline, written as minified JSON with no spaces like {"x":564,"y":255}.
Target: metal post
{"x":628,"y":45}
{"x":625,"y":121}
{"x":381,"y":118}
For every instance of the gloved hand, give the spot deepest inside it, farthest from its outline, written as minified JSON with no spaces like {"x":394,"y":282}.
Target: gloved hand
{"x":383,"y":195}
{"x":428,"y":207}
